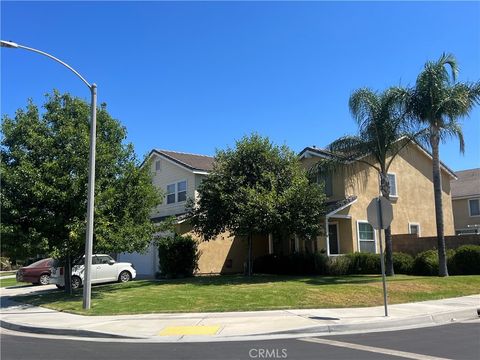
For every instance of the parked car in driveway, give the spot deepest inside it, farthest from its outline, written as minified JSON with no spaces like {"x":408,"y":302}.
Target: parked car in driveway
{"x":36,"y":273}
{"x":104,"y":269}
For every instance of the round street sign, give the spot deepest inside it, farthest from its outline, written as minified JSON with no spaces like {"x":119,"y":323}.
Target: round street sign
{"x":373,"y":216}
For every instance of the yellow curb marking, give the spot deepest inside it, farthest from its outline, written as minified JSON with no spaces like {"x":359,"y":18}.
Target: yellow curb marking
{"x":190,"y":330}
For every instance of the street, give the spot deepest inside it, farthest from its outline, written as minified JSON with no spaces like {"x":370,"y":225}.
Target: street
{"x":454,"y":341}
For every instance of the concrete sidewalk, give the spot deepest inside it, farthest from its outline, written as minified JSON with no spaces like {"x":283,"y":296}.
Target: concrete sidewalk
{"x":228,"y":326}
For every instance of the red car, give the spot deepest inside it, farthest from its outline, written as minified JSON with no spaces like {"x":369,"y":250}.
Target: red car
{"x":36,"y":273}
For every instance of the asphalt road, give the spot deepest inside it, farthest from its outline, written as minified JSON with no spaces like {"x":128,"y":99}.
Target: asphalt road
{"x":455,"y":341}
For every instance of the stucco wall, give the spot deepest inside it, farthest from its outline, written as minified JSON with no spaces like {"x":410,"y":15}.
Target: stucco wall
{"x":461,"y":214}
{"x":415,"y":202}
{"x":226,"y":253}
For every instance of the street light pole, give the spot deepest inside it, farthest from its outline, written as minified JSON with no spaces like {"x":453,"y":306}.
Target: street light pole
{"x":87,"y":284}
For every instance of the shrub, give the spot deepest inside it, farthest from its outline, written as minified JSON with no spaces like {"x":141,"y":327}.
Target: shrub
{"x":178,"y":256}
{"x":426,"y":263}
{"x":5,"y":263}
{"x":364,"y":263}
{"x":339,"y":265}
{"x":293,"y":264}
{"x":466,"y":260}
{"x":402,"y":263}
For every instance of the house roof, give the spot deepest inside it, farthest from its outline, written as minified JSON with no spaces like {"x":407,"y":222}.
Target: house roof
{"x":467,"y":183}
{"x":327,"y":154}
{"x":193,"y":162}
{"x":333,"y":207}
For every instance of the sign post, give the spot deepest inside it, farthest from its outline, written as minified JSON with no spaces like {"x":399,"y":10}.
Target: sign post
{"x":380,"y":216}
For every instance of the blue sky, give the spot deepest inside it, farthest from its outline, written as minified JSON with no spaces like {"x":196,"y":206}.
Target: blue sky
{"x":196,"y":76}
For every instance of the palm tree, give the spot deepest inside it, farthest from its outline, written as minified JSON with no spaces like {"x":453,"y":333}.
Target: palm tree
{"x":437,"y":102}
{"x":382,"y":133}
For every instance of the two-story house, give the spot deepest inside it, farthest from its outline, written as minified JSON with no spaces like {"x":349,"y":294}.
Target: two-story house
{"x":466,"y":201}
{"x":178,"y":175}
{"x":351,"y":188}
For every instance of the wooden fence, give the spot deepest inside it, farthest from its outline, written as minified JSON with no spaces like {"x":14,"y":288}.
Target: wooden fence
{"x":412,"y":244}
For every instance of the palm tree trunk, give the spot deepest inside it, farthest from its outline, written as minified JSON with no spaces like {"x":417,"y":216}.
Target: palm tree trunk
{"x":385,"y":189}
{"x":437,"y":188}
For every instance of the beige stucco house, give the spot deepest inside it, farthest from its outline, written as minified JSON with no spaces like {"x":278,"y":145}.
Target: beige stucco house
{"x":346,"y":229}
{"x":352,"y":188}
{"x":466,"y":201}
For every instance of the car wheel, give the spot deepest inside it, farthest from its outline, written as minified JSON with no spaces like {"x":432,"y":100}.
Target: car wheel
{"x":60,"y":287}
{"x":76,"y":282}
{"x":124,"y":276}
{"x":44,"y":279}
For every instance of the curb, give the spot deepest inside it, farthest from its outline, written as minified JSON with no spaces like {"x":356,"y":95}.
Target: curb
{"x":63,"y":332}
{"x":441,"y":318}
{"x":421,"y":320}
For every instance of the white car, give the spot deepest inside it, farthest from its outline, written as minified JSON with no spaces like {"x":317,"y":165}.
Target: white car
{"x":104,"y":269}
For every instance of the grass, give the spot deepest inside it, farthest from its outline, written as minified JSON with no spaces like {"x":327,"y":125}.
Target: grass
{"x":6,"y":273}
{"x":11,"y":282}
{"x":237,"y":293}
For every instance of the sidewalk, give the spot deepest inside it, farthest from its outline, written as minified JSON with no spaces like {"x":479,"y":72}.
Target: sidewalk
{"x":228,"y":326}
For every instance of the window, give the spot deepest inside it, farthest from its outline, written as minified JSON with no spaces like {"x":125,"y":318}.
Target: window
{"x":170,"y":194}
{"x":474,"y":207}
{"x":177,"y":192}
{"x":326,"y":180}
{"x":158,"y":165}
{"x":392,"y":179}
{"x":182,"y":191}
{"x":414,"y":228}
{"x":366,"y":237}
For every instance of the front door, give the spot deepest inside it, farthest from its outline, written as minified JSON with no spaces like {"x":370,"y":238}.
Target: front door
{"x":333,"y":238}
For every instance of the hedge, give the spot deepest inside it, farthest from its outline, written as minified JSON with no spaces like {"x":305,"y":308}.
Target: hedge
{"x":178,"y":256}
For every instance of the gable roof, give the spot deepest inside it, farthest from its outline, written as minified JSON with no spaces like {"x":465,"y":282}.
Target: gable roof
{"x":193,"y":162}
{"x":323,"y":153}
{"x":467,"y":184}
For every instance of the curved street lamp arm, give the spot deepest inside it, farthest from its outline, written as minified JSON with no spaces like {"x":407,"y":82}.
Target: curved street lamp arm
{"x":15,"y":45}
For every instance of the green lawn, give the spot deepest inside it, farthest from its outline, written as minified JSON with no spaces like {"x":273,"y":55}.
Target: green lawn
{"x":11,"y":282}
{"x":6,"y":273}
{"x":236,"y":293}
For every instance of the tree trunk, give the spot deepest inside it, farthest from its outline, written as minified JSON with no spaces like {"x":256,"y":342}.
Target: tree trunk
{"x":67,"y":267}
{"x":385,"y":189}
{"x":249,"y":263}
{"x":437,"y":189}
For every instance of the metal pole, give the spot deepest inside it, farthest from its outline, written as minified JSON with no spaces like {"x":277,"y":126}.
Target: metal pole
{"x":87,"y":286}
{"x":382,"y":259}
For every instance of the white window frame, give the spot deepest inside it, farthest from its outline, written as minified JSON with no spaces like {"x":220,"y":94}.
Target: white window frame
{"x":414,"y":224}
{"x":175,"y":184}
{"x":174,"y":193}
{"x":396,"y":185}
{"x":358,"y":235}
{"x":338,"y":236}
{"x":159,"y":167}
{"x":469,"y":209}
{"x":186,"y":190}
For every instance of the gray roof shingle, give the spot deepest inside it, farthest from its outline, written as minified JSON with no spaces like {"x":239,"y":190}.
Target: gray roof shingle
{"x":191,"y":161}
{"x":467,"y":184}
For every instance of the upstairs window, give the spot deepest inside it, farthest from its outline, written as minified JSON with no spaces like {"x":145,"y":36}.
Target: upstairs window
{"x":326,"y":180}
{"x":392,"y":179}
{"x":182,"y":191}
{"x":170,"y":194}
{"x":177,"y":192}
{"x":158,"y":165}
{"x":474,"y":207}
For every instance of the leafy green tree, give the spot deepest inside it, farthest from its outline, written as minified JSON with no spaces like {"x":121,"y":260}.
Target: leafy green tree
{"x":257,"y":187}
{"x":44,"y":170}
{"x":383,"y":132}
{"x":437,"y":103}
